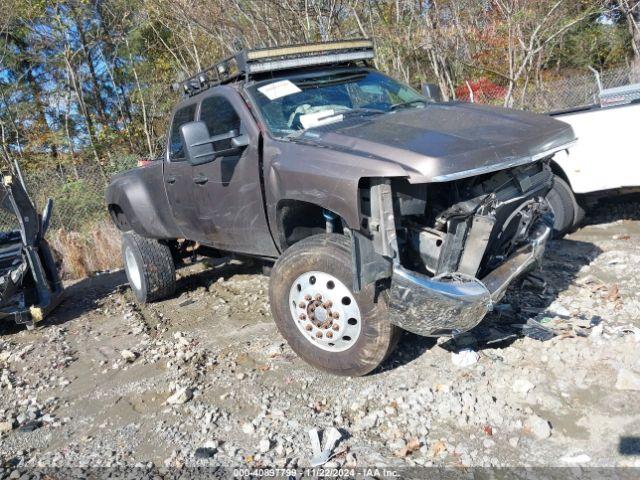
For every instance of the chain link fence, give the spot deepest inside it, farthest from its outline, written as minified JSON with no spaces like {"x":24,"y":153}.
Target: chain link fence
{"x":564,"y":93}
{"x":82,"y":238}
{"x":87,"y":241}
{"x":77,"y":192}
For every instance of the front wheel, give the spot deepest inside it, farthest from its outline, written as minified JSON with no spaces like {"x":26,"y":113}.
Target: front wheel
{"x":567,"y":212}
{"x":149,"y":266}
{"x":319,"y":315}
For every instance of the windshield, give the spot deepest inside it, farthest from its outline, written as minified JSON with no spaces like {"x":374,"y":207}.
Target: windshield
{"x":292,"y":105}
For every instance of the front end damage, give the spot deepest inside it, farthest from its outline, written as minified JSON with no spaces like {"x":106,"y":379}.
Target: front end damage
{"x":451,"y":249}
{"x":30,"y":285}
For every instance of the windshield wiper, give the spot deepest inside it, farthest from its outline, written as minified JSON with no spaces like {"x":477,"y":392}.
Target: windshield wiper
{"x":359,"y":112}
{"x":294,"y":135}
{"x":395,"y":106}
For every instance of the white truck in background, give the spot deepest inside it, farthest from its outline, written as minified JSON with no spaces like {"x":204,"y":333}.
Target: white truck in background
{"x":604,"y":161}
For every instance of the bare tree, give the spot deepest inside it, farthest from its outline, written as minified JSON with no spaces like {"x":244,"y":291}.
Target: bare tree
{"x":630,"y":9}
{"x":530,"y":31}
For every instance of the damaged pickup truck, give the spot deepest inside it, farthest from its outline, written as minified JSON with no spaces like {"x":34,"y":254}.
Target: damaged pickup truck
{"x":384,"y":210}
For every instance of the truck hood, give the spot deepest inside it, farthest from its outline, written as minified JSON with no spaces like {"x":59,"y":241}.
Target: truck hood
{"x":444,"y":142}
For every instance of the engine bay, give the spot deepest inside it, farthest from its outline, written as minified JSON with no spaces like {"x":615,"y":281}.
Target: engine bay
{"x":467,"y":226}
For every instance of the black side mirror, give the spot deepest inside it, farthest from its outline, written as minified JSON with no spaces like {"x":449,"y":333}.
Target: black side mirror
{"x":197,"y":143}
{"x":200,"y":146}
{"x":432,"y":92}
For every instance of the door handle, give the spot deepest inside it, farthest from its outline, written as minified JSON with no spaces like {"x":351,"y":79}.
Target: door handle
{"x":200,"y":180}
{"x":171,"y":179}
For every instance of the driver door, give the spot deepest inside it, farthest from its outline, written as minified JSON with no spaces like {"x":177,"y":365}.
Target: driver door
{"x":178,"y":180}
{"x":227,"y":190}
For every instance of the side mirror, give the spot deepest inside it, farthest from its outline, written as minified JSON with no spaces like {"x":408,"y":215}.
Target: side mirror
{"x":197,"y":143}
{"x":432,"y":92}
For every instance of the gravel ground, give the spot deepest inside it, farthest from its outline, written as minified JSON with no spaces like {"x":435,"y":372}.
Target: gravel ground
{"x":204,"y":379}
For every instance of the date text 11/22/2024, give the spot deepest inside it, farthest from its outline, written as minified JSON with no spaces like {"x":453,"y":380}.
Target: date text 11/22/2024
{"x":315,"y":472}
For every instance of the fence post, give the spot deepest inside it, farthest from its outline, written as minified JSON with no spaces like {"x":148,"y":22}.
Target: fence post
{"x":598,"y":80}
{"x":471,"y":97}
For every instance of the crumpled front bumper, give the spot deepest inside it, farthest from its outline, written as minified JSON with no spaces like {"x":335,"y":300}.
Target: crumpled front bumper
{"x":454,"y":303}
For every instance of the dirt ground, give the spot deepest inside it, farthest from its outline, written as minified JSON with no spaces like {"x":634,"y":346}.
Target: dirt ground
{"x":90,"y":386}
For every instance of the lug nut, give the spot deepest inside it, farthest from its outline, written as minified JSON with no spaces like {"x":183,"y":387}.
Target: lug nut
{"x":328,"y":304}
{"x":336,"y":327}
{"x":318,"y":334}
{"x":302,"y":305}
{"x":329,"y":334}
{"x":307,"y":297}
{"x":308,"y":327}
{"x":302,"y":316}
{"x":335,"y":315}
{"x":318,"y":297}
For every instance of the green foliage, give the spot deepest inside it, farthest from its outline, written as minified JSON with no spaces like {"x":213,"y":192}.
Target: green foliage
{"x":77,"y":203}
{"x":120,"y":163}
{"x":597,"y":44}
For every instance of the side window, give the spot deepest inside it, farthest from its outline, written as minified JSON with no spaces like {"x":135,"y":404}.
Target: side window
{"x":220,"y":117}
{"x":176,"y":148}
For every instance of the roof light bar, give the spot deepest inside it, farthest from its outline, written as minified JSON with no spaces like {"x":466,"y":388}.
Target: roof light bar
{"x":260,"y":60}
{"x":308,"y":61}
{"x":259,"y":54}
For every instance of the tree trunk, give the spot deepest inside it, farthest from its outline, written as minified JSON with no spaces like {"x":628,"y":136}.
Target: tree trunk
{"x":112,"y":52}
{"x":142,"y":104}
{"x":83,"y":110}
{"x":36,"y":91}
{"x":632,"y":14}
{"x":95,"y":83}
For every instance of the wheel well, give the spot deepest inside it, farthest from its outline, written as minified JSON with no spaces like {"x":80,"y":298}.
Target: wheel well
{"x":298,"y":220}
{"x":557,"y":170}
{"x":119,"y":217}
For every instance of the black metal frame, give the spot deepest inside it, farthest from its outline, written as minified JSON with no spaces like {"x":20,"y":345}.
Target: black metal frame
{"x":30,"y":285}
{"x":240,"y":64}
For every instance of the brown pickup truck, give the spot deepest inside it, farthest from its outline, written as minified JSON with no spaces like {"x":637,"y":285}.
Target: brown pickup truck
{"x":384,"y":210}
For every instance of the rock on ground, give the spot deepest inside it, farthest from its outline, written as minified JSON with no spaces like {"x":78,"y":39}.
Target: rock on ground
{"x":205,"y":379}
{"x":628,"y":380}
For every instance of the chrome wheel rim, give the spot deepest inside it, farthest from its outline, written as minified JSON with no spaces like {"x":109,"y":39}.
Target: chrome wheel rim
{"x":133,"y":272}
{"x":325,"y":311}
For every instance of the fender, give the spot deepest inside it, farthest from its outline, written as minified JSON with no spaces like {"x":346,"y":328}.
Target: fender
{"x":144,"y":205}
{"x":319,"y":176}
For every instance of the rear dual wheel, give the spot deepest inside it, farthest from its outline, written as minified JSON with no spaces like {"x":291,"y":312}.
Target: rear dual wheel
{"x":316,"y":311}
{"x":149,"y":266}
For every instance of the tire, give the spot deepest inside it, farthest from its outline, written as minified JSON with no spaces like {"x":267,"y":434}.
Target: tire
{"x":266,"y":269}
{"x":579,"y":216}
{"x":370,"y":339}
{"x":567,"y":213}
{"x":149,"y":267}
